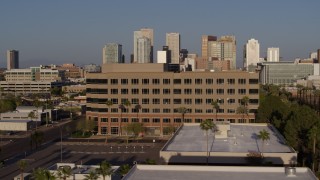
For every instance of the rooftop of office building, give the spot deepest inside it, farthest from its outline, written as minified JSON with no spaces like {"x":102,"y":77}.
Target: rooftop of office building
{"x":176,"y":172}
{"x":227,"y":138}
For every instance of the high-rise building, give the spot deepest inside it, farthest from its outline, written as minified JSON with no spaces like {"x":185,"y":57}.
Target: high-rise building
{"x":223,"y":49}
{"x":183,"y":54}
{"x":112,"y":53}
{"x":12,"y":59}
{"x":164,"y":56}
{"x":318,"y":51}
{"x":173,"y":43}
{"x":147,"y":34}
{"x":204,"y":45}
{"x":144,"y":49}
{"x":251,"y":54}
{"x":273,"y":54}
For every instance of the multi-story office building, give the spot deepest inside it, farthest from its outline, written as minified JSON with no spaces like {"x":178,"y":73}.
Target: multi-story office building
{"x":173,"y":43}
{"x":112,"y":53}
{"x":12,"y":59}
{"x":161,"y":93}
{"x":223,"y":49}
{"x":164,"y":56}
{"x":273,"y":54}
{"x":92,"y":68}
{"x":34,"y":74}
{"x":205,"y":45}
{"x":32,"y":80}
{"x":251,"y":55}
{"x":71,"y":70}
{"x":143,"y":39}
{"x":284,"y":73}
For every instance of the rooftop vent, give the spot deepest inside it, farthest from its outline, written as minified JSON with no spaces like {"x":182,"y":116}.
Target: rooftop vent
{"x":290,"y":171}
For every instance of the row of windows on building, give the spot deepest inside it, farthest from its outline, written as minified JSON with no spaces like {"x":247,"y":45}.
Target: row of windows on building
{"x":229,"y":101}
{"x":165,"y":110}
{"x":164,"y":120}
{"x":168,"y":91}
{"x":168,"y":81}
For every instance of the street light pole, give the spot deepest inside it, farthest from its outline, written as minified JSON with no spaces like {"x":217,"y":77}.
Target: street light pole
{"x":60,"y":143}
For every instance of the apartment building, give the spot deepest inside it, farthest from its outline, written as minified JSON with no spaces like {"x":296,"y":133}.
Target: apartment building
{"x":161,"y":93}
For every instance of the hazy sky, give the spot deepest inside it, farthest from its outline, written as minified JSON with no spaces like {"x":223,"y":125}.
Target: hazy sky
{"x":75,"y":31}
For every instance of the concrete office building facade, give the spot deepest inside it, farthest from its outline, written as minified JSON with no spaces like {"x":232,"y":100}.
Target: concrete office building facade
{"x":161,"y":93}
{"x":112,"y":53}
{"x":142,"y":38}
{"x":273,"y":54}
{"x":173,"y":43}
{"x":251,"y":54}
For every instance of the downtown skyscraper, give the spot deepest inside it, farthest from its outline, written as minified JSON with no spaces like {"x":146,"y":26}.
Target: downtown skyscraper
{"x":173,"y":43}
{"x":112,"y":53}
{"x":222,"y":49}
{"x":143,"y":46}
{"x":12,"y":59}
{"x":251,"y":54}
{"x":273,"y":54}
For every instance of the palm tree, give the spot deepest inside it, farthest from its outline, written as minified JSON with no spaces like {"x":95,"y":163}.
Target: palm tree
{"x":121,"y":107}
{"x":137,"y":108}
{"x":32,"y":116}
{"x":242,"y":110}
{"x":109,"y":103}
{"x":245,"y":100}
{"x":43,"y":174}
{"x":105,"y":169}
{"x":207,"y":125}
{"x":182,"y":111}
{"x":312,"y":135}
{"x":64,"y":172}
{"x":91,"y":176}
{"x":124,"y":169}
{"x":264,"y":136}
{"x":37,"y":138}
{"x":127,"y":104}
{"x":215,"y":105}
{"x":22,"y":164}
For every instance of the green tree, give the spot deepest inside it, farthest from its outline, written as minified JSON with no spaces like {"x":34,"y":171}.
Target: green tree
{"x":137,"y":107}
{"x":91,"y":176}
{"x":109,"y":104}
{"x":182,"y":111}
{"x":64,"y":172}
{"x":169,"y":130}
{"x":135,"y":128}
{"x":264,"y":136}
{"x":121,"y":107}
{"x":313,"y":135}
{"x":22,"y":164}
{"x":43,"y":174}
{"x":37,"y":137}
{"x":215,"y":105}
{"x":150,"y":161}
{"x":206,"y":125}
{"x":124,"y":169}
{"x":243,"y":110}
{"x":32,"y":116}
{"x":105,"y":169}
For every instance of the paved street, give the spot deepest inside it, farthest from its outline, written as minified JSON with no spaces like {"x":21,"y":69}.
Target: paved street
{"x":83,"y":152}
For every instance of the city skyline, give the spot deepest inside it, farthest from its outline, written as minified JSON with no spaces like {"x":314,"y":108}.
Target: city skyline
{"x":75,"y":31}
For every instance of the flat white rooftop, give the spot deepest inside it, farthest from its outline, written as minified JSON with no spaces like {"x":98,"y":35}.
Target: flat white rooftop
{"x":240,"y":138}
{"x":176,"y":172}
